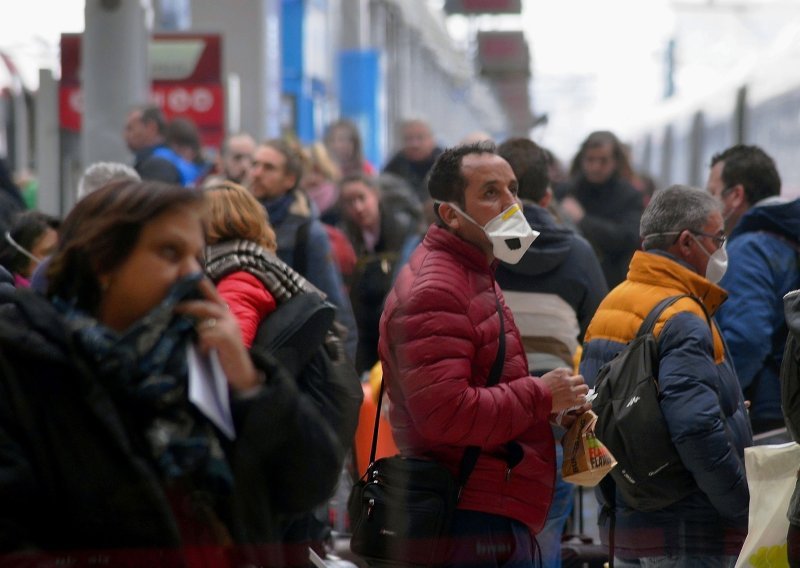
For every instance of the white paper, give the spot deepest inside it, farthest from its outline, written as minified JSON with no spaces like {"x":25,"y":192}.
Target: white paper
{"x":208,"y":389}
{"x":315,"y":559}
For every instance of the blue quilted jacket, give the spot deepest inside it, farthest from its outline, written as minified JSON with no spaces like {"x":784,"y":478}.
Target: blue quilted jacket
{"x":701,"y":401}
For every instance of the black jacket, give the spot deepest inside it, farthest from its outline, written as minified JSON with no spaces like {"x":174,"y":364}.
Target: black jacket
{"x":611,"y":223}
{"x":414,"y":172}
{"x":374,"y":275}
{"x":76,"y":480}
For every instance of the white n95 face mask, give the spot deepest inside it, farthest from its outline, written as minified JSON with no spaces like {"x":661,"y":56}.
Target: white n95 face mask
{"x":717,"y":262}
{"x":717,"y":265}
{"x":509,"y":232}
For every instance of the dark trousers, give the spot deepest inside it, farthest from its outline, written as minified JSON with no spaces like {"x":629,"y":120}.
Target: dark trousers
{"x":482,"y":540}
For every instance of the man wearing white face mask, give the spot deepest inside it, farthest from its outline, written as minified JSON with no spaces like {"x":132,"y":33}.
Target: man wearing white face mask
{"x":699,"y":394}
{"x":764,"y":234}
{"x":440,"y":335}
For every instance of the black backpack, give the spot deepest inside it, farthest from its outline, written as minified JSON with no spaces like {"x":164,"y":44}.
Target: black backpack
{"x":301,"y":333}
{"x":649,"y":472}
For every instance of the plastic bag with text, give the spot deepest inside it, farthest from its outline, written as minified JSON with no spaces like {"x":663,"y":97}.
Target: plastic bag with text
{"x":586,"y":459}
{"x":771,"y":476}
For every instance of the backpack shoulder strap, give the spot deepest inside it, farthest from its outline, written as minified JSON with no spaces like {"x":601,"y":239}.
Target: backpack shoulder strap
{"x":650,"y":321}
{"x":300,"y":259}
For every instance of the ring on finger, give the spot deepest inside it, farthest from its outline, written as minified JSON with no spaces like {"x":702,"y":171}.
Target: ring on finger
{"x":207,"y":323}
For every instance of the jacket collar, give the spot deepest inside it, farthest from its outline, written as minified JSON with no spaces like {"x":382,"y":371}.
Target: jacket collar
{"x":439,"y":238}
{"x":665,"y":271}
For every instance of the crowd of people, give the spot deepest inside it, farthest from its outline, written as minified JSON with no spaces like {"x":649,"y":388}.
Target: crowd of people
{"x":152,"y":415}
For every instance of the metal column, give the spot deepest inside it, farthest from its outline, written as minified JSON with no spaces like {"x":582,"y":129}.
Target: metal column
{"x":115,"y":74}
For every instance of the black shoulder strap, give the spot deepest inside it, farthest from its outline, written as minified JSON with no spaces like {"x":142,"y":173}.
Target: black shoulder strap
{"x":300,"y":260}
{"x":471,"y":453}
{"x":650,"y":321}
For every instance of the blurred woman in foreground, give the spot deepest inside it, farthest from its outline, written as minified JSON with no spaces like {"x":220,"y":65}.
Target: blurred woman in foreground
{"x":106,"y":448}
{"x":254,"y":282}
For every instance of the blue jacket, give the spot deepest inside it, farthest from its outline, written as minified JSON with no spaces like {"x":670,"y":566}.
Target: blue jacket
{"x":189,"y":172}
{"x":762,"y":267}
{"x":702,"y":405}
{"x":287,"y":214}
{"x":152,"y":167}
{"x":553,"y":291}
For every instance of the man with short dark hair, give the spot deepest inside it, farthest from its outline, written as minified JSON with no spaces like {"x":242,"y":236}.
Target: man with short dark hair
{"x":440,"y":335}
{"x":145,"y":130}
{"x":699,"y":395}
{"x":303,"y":243}
{"x":763,"y":248}
{"x":553,"y":292}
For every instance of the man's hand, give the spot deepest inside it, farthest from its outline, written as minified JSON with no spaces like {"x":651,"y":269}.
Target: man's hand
{"x":568,"y":390}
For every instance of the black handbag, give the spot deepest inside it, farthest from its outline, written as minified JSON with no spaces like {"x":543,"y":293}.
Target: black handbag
{"x":402,"y":506}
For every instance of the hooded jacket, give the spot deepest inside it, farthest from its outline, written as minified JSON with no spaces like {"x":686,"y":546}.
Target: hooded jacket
{"x":700,"y":399}
{"x":439,"y":338}
{"x":553,"y":291}
{"x":763,"y":254}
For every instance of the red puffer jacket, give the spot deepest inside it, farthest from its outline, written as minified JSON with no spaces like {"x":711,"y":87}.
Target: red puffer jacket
{"x":439,"y":338}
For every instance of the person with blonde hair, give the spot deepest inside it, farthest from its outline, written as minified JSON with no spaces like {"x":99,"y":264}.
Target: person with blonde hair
{"x":320,"y":181}
{"x":235,"y":220}
{"x":254,"y":282}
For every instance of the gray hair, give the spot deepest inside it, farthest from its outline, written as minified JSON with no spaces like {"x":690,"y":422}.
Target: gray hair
{"x":101,"y":173}
{"x":672,"y":210}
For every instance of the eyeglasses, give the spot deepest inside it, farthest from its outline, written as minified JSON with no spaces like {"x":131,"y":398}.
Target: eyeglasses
{"x":719,"y":238}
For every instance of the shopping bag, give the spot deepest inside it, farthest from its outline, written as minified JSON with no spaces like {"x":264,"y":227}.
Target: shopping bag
{"x":771,"y":477}
{"x":586,"y":459}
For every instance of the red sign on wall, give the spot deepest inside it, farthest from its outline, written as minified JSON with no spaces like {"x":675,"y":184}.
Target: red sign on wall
{"x":187,"y":81}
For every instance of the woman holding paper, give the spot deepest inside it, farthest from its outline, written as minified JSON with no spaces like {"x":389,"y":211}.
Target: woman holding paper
{"x":103,"y":458}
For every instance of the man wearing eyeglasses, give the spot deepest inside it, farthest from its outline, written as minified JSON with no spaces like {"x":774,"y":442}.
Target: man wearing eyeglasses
{"x":764,"y":243}
{"x":699,"y":395}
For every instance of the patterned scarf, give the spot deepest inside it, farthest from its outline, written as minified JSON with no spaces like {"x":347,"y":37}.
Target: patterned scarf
{"x":277,"y":277}
{"x":145,"y":370}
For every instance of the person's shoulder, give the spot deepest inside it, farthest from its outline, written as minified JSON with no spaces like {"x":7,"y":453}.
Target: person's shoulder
{"x":158,"y":168}
{"x":395,"y":162}
{"x":432,"y":279}
{"x":241,"y":279}
{"x":31,"y":323}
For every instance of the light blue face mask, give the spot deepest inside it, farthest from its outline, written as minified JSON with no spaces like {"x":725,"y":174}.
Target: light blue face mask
{"x":509,"y":233}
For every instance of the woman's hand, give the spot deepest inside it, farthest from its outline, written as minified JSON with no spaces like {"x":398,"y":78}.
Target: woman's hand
{"x":218,"y":329}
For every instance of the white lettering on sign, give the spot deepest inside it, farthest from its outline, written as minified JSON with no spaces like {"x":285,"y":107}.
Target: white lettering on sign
{"x":179,"y":100}
{"x":76,"y":100}
{"x":202,"y":100}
